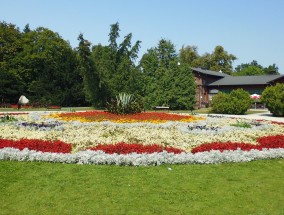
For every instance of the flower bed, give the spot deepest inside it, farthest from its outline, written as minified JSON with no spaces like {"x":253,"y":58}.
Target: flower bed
{"x":269,"y":142}
{"x":134,"y":159}
{"x":37,"y":145}
{"x":99,"y":116}
{"x":13,"y":114}
{"x":124,"y":148}
{"x":156,"y":137}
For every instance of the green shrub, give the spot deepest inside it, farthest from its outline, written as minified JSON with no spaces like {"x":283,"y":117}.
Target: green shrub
{"x":7,"y":118}
{"x":273,"y":96}
{"x":236,"y":102}
{"x":124,"y":104}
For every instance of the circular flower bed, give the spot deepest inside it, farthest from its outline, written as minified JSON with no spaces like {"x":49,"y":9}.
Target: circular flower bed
{"x":152,"y":138}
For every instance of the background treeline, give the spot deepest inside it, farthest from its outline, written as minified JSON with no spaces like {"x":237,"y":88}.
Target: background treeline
{"x":43,"y":66}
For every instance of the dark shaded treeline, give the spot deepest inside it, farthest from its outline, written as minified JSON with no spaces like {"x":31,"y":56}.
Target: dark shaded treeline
{"x":44,"y":67}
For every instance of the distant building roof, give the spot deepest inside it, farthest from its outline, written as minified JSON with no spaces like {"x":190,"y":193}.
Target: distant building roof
{"x":209,"y":72}
{"x":246,"y":80}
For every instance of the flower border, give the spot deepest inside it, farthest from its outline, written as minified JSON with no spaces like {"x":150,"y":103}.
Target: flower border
{"x":134,"y":159}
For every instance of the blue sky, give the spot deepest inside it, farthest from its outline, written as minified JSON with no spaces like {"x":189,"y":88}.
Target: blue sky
{"x":249,"y":29}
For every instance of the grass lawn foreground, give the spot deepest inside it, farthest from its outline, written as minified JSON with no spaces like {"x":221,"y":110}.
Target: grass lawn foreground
{"x":49,"y":188}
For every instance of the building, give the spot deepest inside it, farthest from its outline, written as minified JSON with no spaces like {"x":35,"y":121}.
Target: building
{"x":209,"y":83}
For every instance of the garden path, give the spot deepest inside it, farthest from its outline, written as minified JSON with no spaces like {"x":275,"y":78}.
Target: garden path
{"x":258,"y":116}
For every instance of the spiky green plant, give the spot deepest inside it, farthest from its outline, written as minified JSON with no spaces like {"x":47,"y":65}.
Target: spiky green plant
{"x":124,"y":99}
{"x":124,"y":104}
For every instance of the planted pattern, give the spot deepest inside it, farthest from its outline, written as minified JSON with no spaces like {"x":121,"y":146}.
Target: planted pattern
{"x":124,"y":148}
{"x":269,"y":142}
{"x":95,"y":134}
{"x":99,"y":116}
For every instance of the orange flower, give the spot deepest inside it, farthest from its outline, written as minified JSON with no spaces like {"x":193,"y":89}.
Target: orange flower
{"x":98,"y":116}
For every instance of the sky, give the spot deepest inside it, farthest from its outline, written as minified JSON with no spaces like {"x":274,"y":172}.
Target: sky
{"x":248,"y":29}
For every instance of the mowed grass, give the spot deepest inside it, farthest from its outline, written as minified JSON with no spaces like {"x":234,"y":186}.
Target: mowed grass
{"x":49,"y":188}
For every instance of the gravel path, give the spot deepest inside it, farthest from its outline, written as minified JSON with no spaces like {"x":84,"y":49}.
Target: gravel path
{"x":261,"y":116}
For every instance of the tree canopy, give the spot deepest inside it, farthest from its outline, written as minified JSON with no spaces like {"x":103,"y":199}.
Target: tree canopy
{"x":253,"y":68}
{"x":218,"y":60}
{"x":43,"y":66}
{"x":166,"y":81}
{"x":40,"y":64}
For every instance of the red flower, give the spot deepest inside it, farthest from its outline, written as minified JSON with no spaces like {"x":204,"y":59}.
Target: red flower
{"x":276,"y":141}
{"x":56,"y":146}
{"x":268,"y":142}
{"x":126,"y":148}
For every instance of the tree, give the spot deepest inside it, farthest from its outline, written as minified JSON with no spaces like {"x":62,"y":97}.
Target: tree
{"x":221,"y":60}
{"x":272,"y":70}
{"x":48,"y":66}
{"x":188,"y":55}
{"x":88,"y":71}
{"x":116,"y":67}
{"x":218,"y":60}
{"x":165,"y":81}
{"x":245,"y":65}
{"x":11,"y":83}
{"x":26,"y":28}
{"x":254,"y":68}
{"x":250,"y":70}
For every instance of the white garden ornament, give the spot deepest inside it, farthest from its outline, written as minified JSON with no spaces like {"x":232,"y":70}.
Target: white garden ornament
{"x":23,"y":100}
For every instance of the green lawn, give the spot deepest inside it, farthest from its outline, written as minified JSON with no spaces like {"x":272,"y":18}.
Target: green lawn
{"x":46,"y":188}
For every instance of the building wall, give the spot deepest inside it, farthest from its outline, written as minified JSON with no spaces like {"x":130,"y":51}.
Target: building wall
{"x":201,"y":81}
{"x":203,"y":97}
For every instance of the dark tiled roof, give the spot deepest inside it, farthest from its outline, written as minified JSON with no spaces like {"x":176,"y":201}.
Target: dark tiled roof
{"x":245,"y":80}
{"x":209,"y":72}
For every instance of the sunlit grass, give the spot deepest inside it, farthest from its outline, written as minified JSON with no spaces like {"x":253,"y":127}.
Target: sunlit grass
{"x":47,"y":188}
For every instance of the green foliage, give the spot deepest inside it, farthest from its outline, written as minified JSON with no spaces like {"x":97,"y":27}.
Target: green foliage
{"x":125,"y":104}
{"x":7,"y":118}
{"x":166,"y":81}
{"x":88,"y":71}
{"x":242,"y":124}
{"x":254,"y":68}
{"x":222,"y":60}
{"x":39,"y":64}
{"x":188,"y":55}
{"x":250,"y":70}
{"x":218,"y":60}
{"x":11,"y":83}
{"x":115,"y":65}
{"x":273,"y":96}
{"x":49,"y":77}
{"x":236,"y":102}
{"x":271,"y":70}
